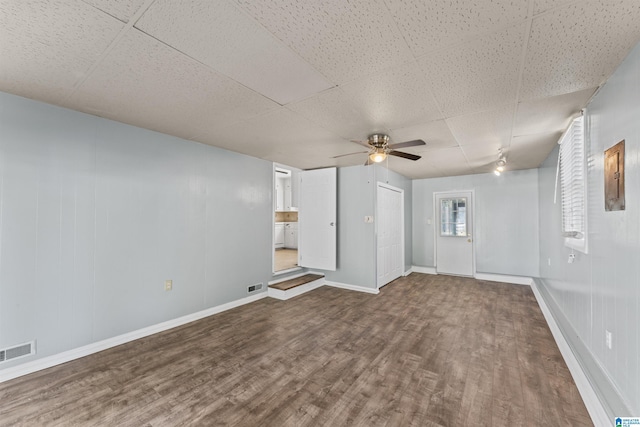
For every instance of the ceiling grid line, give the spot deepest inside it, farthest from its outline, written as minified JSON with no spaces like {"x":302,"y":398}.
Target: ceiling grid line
{"x":523,"y":60}
{"x":109,"y":48}
{"x":293,"y":82}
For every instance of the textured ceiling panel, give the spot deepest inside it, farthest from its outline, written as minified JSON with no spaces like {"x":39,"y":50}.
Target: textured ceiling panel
{"x":121,"y":9}
{"x":435,"y":134}
{"x":430,"y":25}
{"x":146,"y":83}
{"x":549,"y":114}
{"x":541,"y":6}
{"x":423,"y":168}
{"x":344,"y":40}
{"x":219,"y":71}
{"x":395,"y":98}
{"x":478,"y":75}
{"x":278,"y":133}
{"x":46,"y":47}
{"x":530,"y":151}
{"x":333,"y":110}
{"x":481,"y":155}
{"x":489,"y":127}
{"x":218,"y":34}
{"x":578,"y":46}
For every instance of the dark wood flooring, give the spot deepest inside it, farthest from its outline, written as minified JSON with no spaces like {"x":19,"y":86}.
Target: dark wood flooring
{"x":426,"y":351}
{"x":298,"y":281}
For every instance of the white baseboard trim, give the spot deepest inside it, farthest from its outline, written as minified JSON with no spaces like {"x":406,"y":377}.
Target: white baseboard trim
{"x":594,"y":406}
{"x":424,"y":270}
{"x":408,"y":272}
{"x":294,"y":292}
{"x":352,"y":287}
{"x":76,"y":353}
{"x":504,"y":278}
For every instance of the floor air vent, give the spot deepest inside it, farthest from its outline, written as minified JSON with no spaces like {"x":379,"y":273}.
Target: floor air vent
{"x":253,"y":288}
{"x":18,"y":351}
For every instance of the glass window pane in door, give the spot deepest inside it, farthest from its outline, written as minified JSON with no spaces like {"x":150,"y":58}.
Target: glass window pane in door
{"x":453,"y":217}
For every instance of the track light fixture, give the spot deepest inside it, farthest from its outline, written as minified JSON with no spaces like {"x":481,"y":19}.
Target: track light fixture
{"x":500,"y":163}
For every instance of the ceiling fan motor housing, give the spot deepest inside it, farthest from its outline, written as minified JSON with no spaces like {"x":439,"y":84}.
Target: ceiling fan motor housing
{"x":378,"y":140}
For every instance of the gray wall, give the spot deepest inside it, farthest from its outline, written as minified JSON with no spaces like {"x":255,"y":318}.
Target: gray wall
{"x":95,"y":215}
{"x":356,"y":239}
{"x":506,"y":220}
{"x":601,"y":290}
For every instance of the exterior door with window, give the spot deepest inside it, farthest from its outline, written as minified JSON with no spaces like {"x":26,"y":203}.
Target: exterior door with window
{"x":454,"y":233}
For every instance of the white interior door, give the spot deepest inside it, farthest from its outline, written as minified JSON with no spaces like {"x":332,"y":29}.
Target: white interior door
{"x":390,"y":234}
{"x":454,"y":231}
{"x":317,"y":219}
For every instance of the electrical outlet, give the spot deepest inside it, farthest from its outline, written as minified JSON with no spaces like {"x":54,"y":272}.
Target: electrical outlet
{"x":168,"y":285}
{"x":609,"y":339}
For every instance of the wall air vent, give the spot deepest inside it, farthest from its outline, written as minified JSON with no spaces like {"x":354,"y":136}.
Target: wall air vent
{"x":254,"y":288}
{"x":22,"y":350}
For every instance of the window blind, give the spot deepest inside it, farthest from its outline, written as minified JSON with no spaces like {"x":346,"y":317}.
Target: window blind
{"x":572,"y":180}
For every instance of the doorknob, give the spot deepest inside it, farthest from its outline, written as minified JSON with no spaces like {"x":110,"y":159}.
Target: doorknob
{"x":331,"y":224}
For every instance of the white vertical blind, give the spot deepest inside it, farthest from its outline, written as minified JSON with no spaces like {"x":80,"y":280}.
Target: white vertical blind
{"x":572,"y":180}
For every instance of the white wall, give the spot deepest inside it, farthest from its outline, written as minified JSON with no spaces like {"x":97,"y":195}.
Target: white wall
{"x":601,"y":290}
{"x":357,"y":186}
{"x":506,"y":220}
{"x":95,"y":215}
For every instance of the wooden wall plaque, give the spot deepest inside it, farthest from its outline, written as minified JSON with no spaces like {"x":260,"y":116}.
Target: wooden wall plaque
{"x":614,"y":178}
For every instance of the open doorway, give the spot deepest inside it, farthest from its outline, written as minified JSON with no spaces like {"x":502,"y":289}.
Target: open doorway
{"x":285,"y":227}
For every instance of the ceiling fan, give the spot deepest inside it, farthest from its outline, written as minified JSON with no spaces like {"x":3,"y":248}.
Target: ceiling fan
{"x":379,"y":148}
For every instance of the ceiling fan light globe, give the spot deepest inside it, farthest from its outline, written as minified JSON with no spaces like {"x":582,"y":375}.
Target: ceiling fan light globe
{"x":377,"y":157}
{"x":497,"y":172}
{"x":500,"y":168}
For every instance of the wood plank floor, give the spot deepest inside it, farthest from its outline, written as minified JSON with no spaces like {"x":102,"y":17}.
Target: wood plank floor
{"x":298,"y":281}
{"x":427,"y":351}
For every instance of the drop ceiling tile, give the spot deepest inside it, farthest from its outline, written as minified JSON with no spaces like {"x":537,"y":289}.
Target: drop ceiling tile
{"x":121,"y":9}
{"x":278,"y":133}
{"x":482,"y":155}
{"x":488,"y":127}
{"x":47,"y":46}
{"x":146,"y":83}
{"x":436,"y":134}
{"x":578,"y":46}
{"x":220,"y":35}
{"x":419,"y":169}
{"x":344,"y":40}
{"x":430,"y":25}
{"x":550,"y":114}
{"x":477,"y":75}
{"x":394,"y":98}
{"x":541,"y":6}
{"x":529,"y":151}
{"x":332,"y":109}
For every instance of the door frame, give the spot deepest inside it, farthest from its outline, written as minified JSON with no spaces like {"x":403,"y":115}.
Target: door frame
{"x":436,"y":226}
{"x":401,"y":191}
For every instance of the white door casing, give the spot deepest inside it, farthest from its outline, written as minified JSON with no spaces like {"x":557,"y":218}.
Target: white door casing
{"x":317,"y":219}
{"x":389,"y":234}
{"x":454,"y":233}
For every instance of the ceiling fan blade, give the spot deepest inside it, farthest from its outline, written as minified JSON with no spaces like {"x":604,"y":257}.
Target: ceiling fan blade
{"x":363,"y":143}
{"x":405,"y":144}
{"x":349,"y":154}
{"x":404,"y":155}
